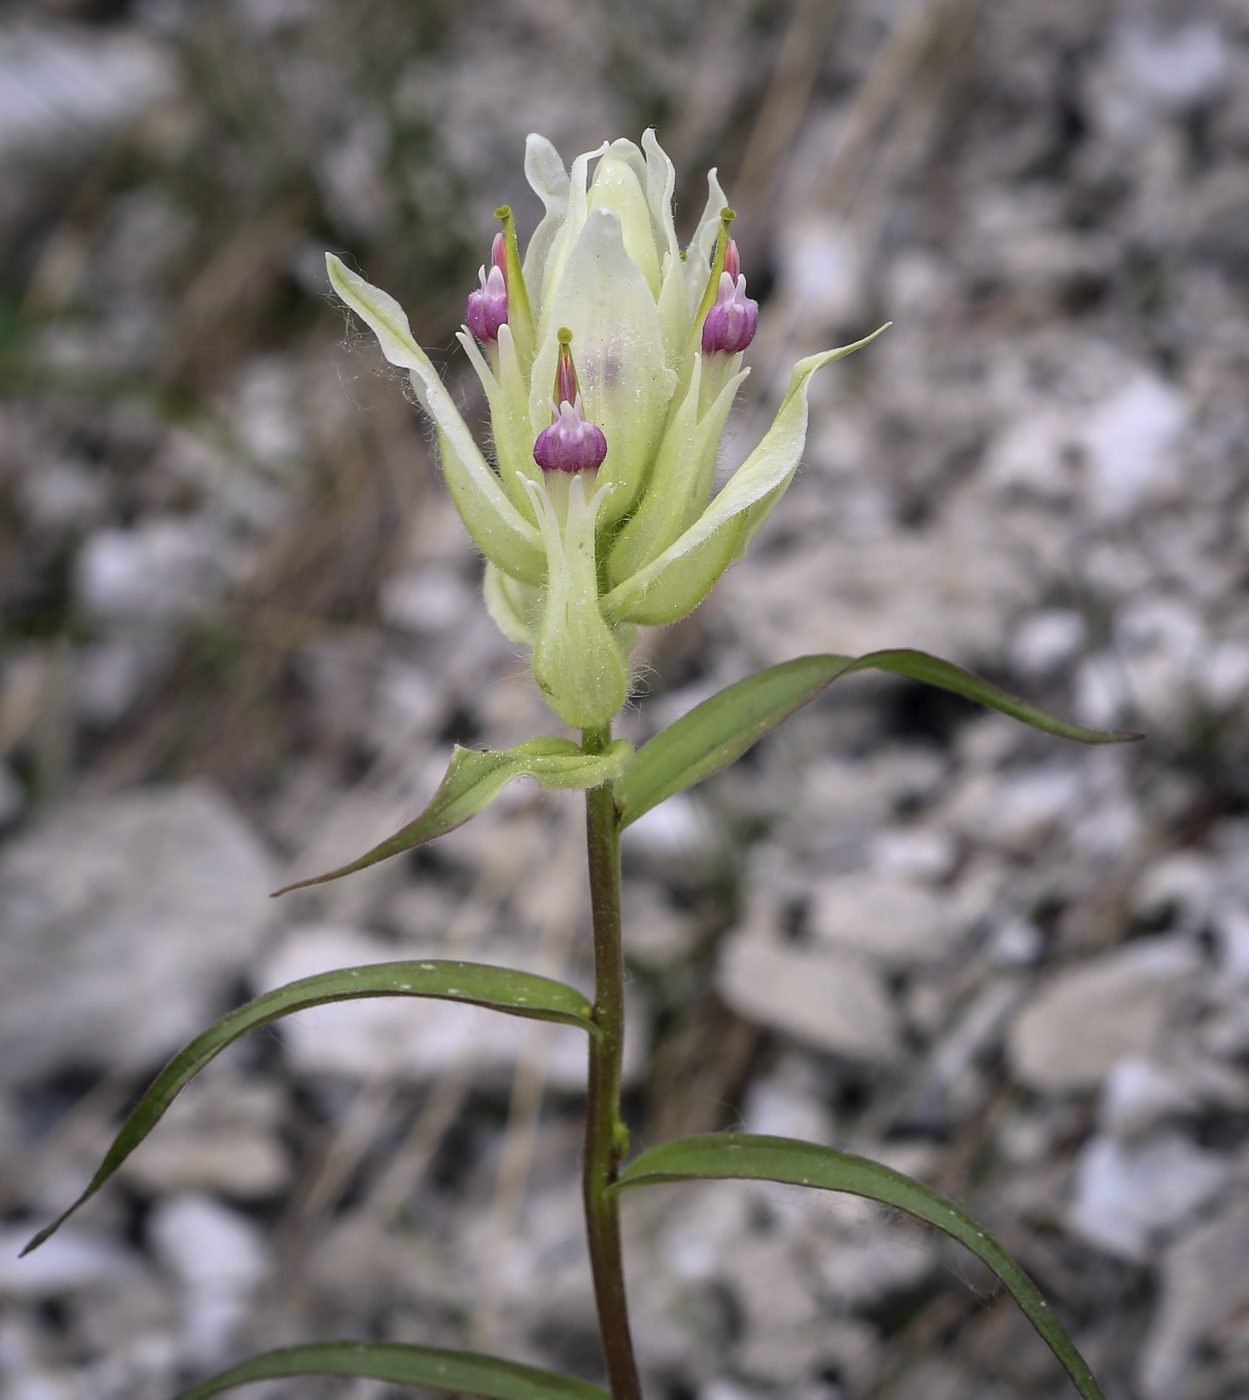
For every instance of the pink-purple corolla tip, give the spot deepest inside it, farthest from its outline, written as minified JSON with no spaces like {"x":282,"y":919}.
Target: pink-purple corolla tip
{"x":731,"y":323}
{"x":570,"y":444}
{"x":487,"y":307}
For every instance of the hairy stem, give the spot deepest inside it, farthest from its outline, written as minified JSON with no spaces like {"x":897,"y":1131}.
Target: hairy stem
{"x":605,"y":1137}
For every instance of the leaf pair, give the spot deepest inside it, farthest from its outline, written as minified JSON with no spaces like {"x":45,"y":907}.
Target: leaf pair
{"x":697,"y":745}
{"x":728,"y":1157}
{"x":475,"y":779}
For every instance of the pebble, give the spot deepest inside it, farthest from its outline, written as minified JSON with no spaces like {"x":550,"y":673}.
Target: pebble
{"x":832,"y":1001}
{"x":1088,"y":1017}
{"x":124,"y":922}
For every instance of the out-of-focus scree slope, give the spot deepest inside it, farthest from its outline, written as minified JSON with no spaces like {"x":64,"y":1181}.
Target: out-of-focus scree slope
{"x":240,"y":629}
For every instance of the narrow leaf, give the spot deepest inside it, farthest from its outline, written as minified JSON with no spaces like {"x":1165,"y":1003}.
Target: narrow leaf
{"x":475,"y":779}
{"x":462,"y":1371}
{"x":497,"y":988}
{"x":744,"y":1156}
{"x":721,"y":729}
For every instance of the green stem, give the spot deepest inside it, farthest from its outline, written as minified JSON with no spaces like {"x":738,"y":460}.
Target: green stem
{"x":605,"y":1136}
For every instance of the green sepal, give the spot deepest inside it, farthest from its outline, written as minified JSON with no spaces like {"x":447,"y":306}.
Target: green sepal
{"x":578,"y":662}
{"x":745,"y":1156}
{"x":399,"y":1364}
{"x":519,"y":311}
{"x":475,"y":779}
{"x":476,"y":984}
{"x":721,"y":729}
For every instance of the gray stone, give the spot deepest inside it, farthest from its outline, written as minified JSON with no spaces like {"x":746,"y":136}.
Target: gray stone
{"x":123,"y":922}
{"x":1204,"y":1282}
{"x":884,"y":918}
{"x":834,"y":1001}
{"x":1127,"y":1194}
{"x":1092,"y":1015}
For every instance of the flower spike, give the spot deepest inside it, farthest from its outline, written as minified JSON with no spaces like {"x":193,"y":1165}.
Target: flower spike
{"x":624,"y":528}
{"x":487,"y":307}
{"x":570,"y":444}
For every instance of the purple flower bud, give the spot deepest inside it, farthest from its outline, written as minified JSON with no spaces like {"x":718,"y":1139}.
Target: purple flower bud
{"x":731,"y":323}
{"x":570,"y":444}
{"x":487,"y":308}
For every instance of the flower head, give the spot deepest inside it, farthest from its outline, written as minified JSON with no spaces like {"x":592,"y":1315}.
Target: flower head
{"x":619,"y":527}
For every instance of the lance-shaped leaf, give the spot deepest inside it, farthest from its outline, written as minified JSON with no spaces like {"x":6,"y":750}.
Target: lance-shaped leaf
{"x":400,"y":1364}
{"x":477,"y":984}
{"x":499,"y":529}
{"x":682,"y":576}
{"x":744,"y":1156}
{"x":721,"y":729}
{"x":475,"y":779}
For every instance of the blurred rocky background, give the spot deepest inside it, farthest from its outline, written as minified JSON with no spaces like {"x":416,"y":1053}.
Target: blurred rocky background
{"x":241,"y":630}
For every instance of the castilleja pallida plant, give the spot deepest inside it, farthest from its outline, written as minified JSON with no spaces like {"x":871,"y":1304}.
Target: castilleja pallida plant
{"x":610,"y":358}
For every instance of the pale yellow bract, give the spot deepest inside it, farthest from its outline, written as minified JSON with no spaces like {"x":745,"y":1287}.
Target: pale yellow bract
{"x":574,"y":564}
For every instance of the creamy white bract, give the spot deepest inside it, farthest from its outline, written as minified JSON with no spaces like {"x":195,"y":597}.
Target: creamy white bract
{"x":576,"y":560}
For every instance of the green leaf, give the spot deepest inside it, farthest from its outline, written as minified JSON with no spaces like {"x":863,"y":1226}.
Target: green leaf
{"x":747,"y":1157}
{"x":496,"y":988}
{"x":463,"y":1371}
{"x":475,"y":779}
{"x":721,"y":729}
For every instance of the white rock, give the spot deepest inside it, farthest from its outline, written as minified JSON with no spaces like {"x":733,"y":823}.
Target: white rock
{"x":677,"y":828}
{"x":788,"y":1103}
{"x":1101,"y":691}
{"x":1092,"y":1015}
{"x":123,"y":922}
{"x":234,"y":1162}
{"x":1223,"y":676}
{"x":73,"y":86}
{"x":917,"y":853}
{"x":883,"y":918}
{"x":112,"y":675}
{"x":64,"y":494}
{"x":430,"y":599}
{"x":821,"y":269}
{"x":1232,"y":927}
{"x":1180,"y":884}
{"x":1129,"y":443}
{"x":867,"y":1263}
{"x":1160,"y":642}
{"x":1176,"y":70}
{"x":833,"y":1001}
{"x":159,"y":571}
{"x":1046,"y":640}
{"x":1017,"y":808}
{"x":1204,"y":1281}
{"x":219,"y":1258}
{"x":1127,"y":1194}
{"x":1137,"y":1095}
